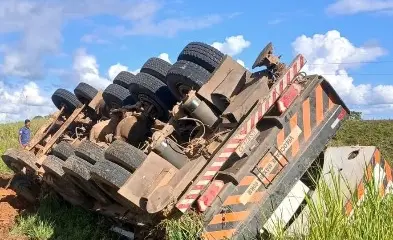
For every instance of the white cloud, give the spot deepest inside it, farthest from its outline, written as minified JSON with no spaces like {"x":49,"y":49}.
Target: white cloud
{"x":167,"y":27}
{"x":26,"y":100}
{"x":143,"y":10}
{"x":347,"y":7}
{"x":23,"y":101}
{"x":39,"y":24}
{"x":40,"y":28}
{"x":116,"y":69}
{"x":323,"y":51}
{"x":378,"y":111}
{"x":136,"y":71}
{"x":91,"y":38}
{"x":233,"y":45}
{"x":86,"y":68}
{"x":165,"y":57}
{"x":13,"y":13}
{"x":240,"y":62}
{"x":35,"y":28}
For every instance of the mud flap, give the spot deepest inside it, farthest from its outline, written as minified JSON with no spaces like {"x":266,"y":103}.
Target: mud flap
{"x":348,"y":168}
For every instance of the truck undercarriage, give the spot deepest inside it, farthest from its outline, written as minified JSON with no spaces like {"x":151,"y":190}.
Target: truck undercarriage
{"x":204,"y":134}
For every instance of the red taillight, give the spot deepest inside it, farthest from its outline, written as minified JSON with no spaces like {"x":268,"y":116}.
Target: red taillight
{"x":288,"y":97}
{"x":209,"y":195}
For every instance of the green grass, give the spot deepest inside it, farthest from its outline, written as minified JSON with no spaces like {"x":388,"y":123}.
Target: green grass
{"x":55,"y":219}
{"x":186,"y":227}
{"x":374,"y":133}
{"x":9,"y":138}
{"x":372,"y":219}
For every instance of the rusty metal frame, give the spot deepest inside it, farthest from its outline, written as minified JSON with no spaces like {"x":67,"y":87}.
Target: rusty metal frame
{"x":41,"y":133}
{"x":59,"y":132}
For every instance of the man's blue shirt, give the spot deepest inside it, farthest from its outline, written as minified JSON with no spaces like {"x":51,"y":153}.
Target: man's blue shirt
{"x":24,"y":133}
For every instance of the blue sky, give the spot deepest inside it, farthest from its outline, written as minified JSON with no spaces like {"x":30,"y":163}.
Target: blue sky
{"x":46,"y":44}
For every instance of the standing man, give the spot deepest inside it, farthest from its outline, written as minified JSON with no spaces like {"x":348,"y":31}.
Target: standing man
{"x":24,"y":134}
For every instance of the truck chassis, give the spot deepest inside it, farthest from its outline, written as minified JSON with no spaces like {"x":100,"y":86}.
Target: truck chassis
{"x":204,"y":134}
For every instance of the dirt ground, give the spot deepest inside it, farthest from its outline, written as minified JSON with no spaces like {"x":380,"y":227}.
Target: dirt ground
{"x":10,"y":207}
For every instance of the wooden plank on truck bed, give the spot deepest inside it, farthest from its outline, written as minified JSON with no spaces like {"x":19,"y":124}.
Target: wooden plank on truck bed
{"x":43,"y":130}
{"x":61,"y":130}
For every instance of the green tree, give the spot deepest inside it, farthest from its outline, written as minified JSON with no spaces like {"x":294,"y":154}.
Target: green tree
{"x":355,"y":115}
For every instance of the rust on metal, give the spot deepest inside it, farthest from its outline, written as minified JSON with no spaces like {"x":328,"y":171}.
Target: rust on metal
{"x":43,"y":131}
{"x":167,"y":194}
{"x":227,"y":80}
{"x":241,"y":103}
{"x":61,"y":131}
{"x":140,"y":182}
{"x":266,"y":58}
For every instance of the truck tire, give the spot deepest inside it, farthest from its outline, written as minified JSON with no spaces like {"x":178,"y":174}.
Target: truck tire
{"x":116,"y":96}
{"x":78,"y":167}
{"x":17,"y":159}
{"x":24,"y":186}
{"x":109,"y":174}
{"x":157,"y":68}
{"x":62,"y":97}
{"x":124,"y":79}
{"x":63,"y":150}
{"x":90,"y":152}
{"x":78,"y":171}
{"x":68,"y":191}
{"x":53,"y":165}
{"x":55,"y":177}
{"x":202,"y":54}
{"x":148,"y":88}
{"x":185,"y":76}
{"x":10,"y":158}
{"x":85,"y":93}
{"x":109,"y":177}
{"x":125,"y":155}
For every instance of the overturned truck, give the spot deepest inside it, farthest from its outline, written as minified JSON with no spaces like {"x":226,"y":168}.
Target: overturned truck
{"x":204,"y":134}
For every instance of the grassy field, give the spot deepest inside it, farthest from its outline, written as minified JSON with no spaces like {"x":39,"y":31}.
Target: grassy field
{"x":9,"y":138}
{"x":55,"y":219}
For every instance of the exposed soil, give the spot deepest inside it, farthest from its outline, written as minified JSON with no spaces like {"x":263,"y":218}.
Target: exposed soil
{"x":10,"y":207}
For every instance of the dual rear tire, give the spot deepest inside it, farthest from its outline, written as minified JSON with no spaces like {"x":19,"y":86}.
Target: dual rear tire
{"x":162,"y":84}
{"x":195,"y":65}
{"x":148,"y":86}
{"x":83,"y":94}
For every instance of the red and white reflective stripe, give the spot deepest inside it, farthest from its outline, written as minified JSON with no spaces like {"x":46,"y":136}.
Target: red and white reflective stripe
{"x":288,"y":97}
{"x":209,"y":195}
{"x":268,"y":101}
{"x":190,"y":197}
{"x":339,"y":118}
{"x":214,"y":166}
